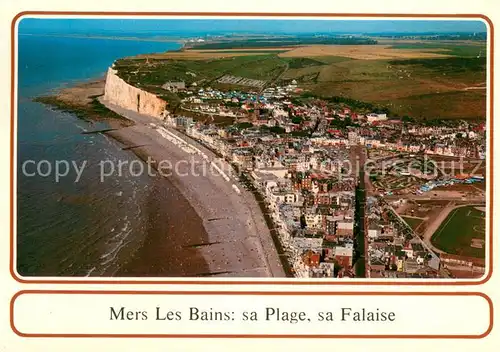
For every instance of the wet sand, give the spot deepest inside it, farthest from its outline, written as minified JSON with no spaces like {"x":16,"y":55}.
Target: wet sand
{"x":173,"y":227}
{"x":82,"y":94}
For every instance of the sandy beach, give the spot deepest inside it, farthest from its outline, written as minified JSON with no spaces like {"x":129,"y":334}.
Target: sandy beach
{"x":199,"y":224}
{"x":238,"y":242}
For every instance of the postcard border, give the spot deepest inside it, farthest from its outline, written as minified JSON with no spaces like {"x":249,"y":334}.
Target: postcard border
{"x":270,"y":281}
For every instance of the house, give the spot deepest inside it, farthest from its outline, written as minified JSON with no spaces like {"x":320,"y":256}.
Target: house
{"x":408,"y":250}
{"x":243,"y":157}
{"x":343,"y":256}
{"x":278,"y":112}
{"x":313,"y":219}
{"x":457,"y":261}
{"x":345,"y":229}
{"x":377,"y":264}
{"x":174,"y":86}
{"x":373,"y":232}
{"x":311,"y":259}
{"x":376,"y":117}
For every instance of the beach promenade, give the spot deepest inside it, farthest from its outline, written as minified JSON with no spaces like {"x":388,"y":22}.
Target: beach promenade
{"x":239,"y":244}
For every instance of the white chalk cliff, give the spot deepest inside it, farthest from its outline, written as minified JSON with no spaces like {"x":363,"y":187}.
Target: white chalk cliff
{"x":120,"y":93}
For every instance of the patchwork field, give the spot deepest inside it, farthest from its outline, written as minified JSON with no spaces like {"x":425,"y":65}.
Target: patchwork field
{"x":362,"y":52}
{"x":459,"y":48}
{"x":452,"y":87}
{"x":201,"y":55}
{"x":462,"y":232}
{"x":424,"y":80}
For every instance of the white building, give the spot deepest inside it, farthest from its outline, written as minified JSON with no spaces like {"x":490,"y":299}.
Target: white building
{"x":376,"y":117}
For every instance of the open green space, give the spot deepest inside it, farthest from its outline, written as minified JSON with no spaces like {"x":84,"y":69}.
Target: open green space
{"x":413,"y":222}
{"x":249,"y":52}
{"x":267,"y":68}
{"x":301,"y":62}
{"x":451,"y":65}
{"x":157,"y":72}
{"x":458,"y":49}
{"x":282,"y":42}
{"x":455,"y":234}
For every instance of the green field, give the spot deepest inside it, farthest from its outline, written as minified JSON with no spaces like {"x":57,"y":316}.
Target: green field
{"x":267,"y":68}
{"x":455,"y":234}
{"x":458,"y":49}
{"x":157,"y":72}
{"x":249,"y":52}
{"x":245,"y":43}
{"x":413,"y":222}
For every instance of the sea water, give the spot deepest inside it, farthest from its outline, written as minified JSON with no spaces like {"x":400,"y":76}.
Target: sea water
{"x":68,"y":227}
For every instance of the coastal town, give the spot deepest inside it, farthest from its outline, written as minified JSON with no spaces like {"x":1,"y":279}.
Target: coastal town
{"x":244,"y":178}
{"x":292,"y":155}
{"x":340,"y":187}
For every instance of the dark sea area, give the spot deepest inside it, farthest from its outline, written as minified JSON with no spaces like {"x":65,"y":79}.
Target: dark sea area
{"x":70,"y":226}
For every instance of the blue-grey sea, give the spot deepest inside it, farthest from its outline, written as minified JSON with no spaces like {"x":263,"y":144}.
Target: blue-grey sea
{"x":64,"y":227}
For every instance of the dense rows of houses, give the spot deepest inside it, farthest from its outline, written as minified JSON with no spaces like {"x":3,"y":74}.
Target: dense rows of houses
{"x":312,"y":208}
{"x":293,"y":151}
{"x":393,"y":248}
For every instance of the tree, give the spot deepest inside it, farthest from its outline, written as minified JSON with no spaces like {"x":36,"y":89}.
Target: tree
{"x":244,"y":125}
{"x":382,"y":110}
{"x":277,"y":130}
{"x":303,"y":223}
{"x":407,"y":118}
{"x":336,"y":268}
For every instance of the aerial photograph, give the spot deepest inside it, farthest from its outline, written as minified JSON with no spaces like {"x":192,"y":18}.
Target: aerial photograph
{"x":222,"y":147}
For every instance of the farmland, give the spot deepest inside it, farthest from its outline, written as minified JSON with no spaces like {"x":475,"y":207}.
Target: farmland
{"x":361,"y":52}
{"x":264,"y":42}
{"x":462,"y":232}
{"x":424,"y":80}
{"x":459,"y":49}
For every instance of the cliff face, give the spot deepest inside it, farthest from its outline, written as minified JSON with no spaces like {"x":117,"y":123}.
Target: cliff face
{"x":120,"y":93}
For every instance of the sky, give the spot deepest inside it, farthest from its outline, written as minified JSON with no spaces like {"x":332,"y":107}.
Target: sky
{"x":218,"y":26}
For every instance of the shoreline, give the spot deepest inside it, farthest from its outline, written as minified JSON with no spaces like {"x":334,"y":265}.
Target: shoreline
{"x":194,"y":236}
{"x":239,"y":242}
{"x":168,"y":238}
{"x":82,"y":101}
{"x":178,"y":40}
